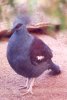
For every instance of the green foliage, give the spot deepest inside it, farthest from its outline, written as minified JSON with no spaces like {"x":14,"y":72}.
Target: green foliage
{"x":32,"y":4}
{"x":63,"y":1}
{"x":11,"y":2}
{"x":59,"y":13}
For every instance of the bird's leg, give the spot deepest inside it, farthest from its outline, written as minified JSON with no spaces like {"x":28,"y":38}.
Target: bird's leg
{"x":29,"y":90}
{"x":31,"y":86}
{"x":26,"y":85}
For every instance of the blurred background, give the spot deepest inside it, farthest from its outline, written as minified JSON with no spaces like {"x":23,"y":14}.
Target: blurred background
{"x":51,"y":12}
{"x":48,"y":19}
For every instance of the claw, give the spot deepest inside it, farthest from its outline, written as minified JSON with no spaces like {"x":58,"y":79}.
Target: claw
{"x":23,"y":87}
{"x":27,"y":92}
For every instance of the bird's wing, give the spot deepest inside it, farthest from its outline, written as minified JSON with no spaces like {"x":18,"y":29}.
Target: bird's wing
{"x":39,"y":52}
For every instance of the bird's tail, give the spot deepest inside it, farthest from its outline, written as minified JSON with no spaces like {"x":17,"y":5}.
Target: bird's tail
{"x":55,"y":69}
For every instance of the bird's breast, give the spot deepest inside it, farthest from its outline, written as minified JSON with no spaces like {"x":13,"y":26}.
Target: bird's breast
{"x":18,"y":50}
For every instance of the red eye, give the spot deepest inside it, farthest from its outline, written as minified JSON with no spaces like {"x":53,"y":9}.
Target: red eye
{"x":18,"y":26}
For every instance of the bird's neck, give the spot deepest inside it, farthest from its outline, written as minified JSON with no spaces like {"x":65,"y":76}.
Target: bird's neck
{"x":23,"y":36}
{"x":22,"y":33}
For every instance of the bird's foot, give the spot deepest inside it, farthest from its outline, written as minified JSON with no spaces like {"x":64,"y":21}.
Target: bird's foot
{"x":26,"y":85}
{"x":23,"y":87}
{"x":29,"y":87}
{"x":29,"y":91}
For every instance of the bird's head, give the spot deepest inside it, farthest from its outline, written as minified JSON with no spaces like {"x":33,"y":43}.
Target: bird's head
{"x":19,"y":29}
{"x":16,"y":28}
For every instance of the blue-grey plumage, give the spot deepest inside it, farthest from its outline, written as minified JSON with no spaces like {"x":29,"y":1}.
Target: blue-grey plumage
{"x":19,"y":54}
{"x":28,"y":55}
{"x":24,"y":19}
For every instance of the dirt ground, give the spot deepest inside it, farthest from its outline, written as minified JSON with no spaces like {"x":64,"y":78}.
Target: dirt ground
{"x":46,"y":87}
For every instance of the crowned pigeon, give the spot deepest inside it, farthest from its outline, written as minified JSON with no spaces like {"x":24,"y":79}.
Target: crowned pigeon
{"x":28,"y":55}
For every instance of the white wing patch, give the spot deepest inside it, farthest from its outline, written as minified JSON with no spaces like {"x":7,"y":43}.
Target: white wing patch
{"x":40,"y":57}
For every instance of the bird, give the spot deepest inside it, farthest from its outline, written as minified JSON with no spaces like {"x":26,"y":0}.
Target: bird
{"x":29,"y":56}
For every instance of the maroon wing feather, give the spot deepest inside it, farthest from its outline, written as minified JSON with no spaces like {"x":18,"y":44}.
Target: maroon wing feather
{"x":38,"y":48}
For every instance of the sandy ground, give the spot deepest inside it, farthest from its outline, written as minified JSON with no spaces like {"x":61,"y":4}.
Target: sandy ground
{"x":46,"y":87}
